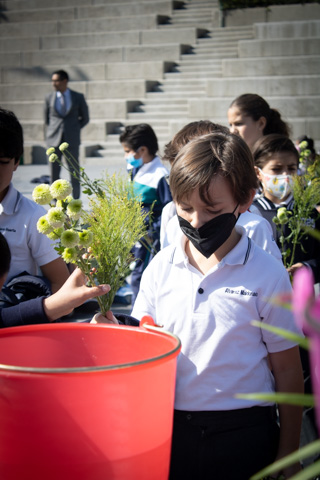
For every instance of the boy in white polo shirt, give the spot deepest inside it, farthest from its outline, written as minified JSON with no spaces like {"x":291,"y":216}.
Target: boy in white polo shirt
{"x":30,"y":250}
{"x":206,"y":288}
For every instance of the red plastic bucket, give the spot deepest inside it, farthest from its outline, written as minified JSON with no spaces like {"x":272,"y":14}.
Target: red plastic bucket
{"x":86,"y":402}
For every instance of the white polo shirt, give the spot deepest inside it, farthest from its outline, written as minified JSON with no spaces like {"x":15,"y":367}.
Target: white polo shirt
{"x":18,"y":223}
{"x":222,"y":353}
{"x":257,"y":228}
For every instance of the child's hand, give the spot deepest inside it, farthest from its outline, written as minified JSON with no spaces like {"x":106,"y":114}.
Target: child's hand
{"x":109,"y":318}
{"x":294,"y":268}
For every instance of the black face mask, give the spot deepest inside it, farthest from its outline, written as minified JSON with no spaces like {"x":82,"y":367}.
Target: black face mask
{"x":208,"y":238}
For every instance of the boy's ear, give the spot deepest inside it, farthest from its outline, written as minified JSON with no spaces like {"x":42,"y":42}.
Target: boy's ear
{"x":16,"y":165}
{"x":143,"y":150}
{"x":244,"y":206}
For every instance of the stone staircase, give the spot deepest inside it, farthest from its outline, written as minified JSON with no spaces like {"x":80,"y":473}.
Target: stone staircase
{"x":163,"y":62}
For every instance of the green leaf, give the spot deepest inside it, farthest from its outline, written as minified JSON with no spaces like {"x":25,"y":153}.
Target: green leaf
{"x":294,"y":457}
{"x":314,"y":233}
{"x":309,"y":473}
{"x":293,"y":337}
{"x":301,"y":399}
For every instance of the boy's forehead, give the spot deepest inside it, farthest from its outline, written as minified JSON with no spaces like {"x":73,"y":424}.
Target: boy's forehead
{"x":217,"y":192}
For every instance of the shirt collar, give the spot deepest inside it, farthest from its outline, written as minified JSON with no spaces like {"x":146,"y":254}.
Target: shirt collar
{"x":10,"y":202}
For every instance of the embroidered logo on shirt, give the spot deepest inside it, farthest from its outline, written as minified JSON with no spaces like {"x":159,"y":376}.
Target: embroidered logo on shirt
{"x":7,"y":229}
{"x":241,"y":292}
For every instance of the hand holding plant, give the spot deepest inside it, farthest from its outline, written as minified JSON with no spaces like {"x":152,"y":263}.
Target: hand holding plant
{"x":98,"y":241}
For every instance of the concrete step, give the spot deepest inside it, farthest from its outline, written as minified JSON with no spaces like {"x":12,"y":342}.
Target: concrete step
{"x":219,"y":48}
{"x":306,"y":106}
{"x":271,"y":66}
{"x":67,"y":27}
{"x":194,"y":71}
{"x":168,"y":108}
{"x":274,"y":13}
{"x":92,"y":90}
{"x":90,"y":40}
{"x":88,"y":72}
{"x":135,"y":53}
{"x":182,"y":94}
{"x":163,"y":7}
{"x":33,"y":130}
{"x":299,"y":85}
{"x":38,"y":4}
{"x":309,"y":28}
{"x":200,"y":58}
{"x":151,"y":119}
{"x":99,"y":109}
{"x":180,"y":84}
{"x":279,"y":47}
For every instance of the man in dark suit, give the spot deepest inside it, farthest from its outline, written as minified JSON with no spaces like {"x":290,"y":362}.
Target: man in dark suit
{"x":65,"y":113}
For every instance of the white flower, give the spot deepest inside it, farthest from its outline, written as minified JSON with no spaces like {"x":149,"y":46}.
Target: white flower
{"x":50,"y":151}
{"x":64,"y":146}
{"x":41,"y":194}
{"x":56,"y":217}
{"x":43,"y":226}
{"x":60,"y":189}
{"x":69,"y":238}
{"x":86,"y":238}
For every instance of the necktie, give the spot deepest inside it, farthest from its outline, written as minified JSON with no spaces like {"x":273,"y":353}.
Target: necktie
{"x":63,"y":105}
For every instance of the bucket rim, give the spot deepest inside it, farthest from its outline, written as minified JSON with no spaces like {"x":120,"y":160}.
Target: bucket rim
{"x":56,"y":370}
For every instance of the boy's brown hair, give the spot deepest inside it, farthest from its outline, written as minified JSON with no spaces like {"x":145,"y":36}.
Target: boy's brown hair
{"x":204,"y":157}
{"x":187,"y":133}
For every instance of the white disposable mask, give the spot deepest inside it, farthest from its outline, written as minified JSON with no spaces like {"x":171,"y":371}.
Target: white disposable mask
{"x":277,"y":185}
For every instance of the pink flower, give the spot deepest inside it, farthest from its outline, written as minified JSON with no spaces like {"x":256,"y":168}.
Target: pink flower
{"x":303,"y":293}
{"x":307,"y":314}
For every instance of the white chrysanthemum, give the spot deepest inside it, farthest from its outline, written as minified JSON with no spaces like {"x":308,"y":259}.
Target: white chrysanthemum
{"x":64,"y":146}
{"x":86,"y":238}
{"x":41,"y":194}
{"x":74,"y":209}
{"x":69,"y":255}
{"x":56,"y":233}
{"x":56,"y":217}
{"x":69,"y":238}
{"x":53,"y":158}
{"x":60,"y":189}
{"x":43,"y":226}
{"x":50,"y":151}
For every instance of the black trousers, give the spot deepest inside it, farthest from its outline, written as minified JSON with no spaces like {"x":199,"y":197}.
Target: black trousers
{"x":223,"y":445}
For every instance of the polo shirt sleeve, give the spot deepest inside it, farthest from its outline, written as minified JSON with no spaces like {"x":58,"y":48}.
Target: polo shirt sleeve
{"x":145,"y":301}
{"x":25,"y":313}
{"x":278,"y":316}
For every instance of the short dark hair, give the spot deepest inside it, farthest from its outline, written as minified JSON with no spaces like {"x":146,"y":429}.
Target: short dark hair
{"x":254,"y":106}
{"x":141,"y":135}
{"x":269,"y":145}
{"x":5,"y":257}
{"x":11,"y":135}
{"x":203,"y":158}
{"x":187,"y":133}
{"x":62,"y":74}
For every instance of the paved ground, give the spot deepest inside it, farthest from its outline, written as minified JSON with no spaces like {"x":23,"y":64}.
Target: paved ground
{"x":22,"y":181}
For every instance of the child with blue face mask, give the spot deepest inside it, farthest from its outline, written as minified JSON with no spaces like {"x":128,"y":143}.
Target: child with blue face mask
{"x":276,"y":162}
{"x":149,"y":177}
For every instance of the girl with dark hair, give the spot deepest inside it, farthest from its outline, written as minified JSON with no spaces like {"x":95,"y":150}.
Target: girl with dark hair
{"x":251,"y":117}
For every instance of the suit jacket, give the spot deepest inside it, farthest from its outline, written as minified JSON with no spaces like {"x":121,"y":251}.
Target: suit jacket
{"x":69,"y":126}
